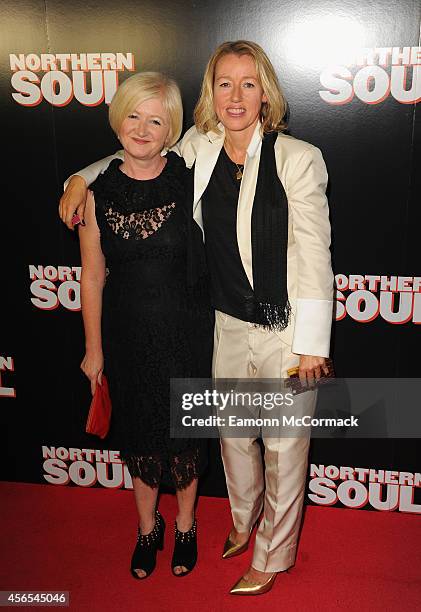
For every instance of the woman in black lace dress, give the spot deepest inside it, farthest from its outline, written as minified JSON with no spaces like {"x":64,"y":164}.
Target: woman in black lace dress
{"x":145,"y":308}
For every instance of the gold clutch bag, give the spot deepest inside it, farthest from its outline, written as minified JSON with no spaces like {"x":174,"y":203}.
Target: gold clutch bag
{"x":296,"y":385}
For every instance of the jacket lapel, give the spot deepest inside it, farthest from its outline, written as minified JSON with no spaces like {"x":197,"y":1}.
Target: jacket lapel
{"x":245,"y":202}
{"x":207,"y":156}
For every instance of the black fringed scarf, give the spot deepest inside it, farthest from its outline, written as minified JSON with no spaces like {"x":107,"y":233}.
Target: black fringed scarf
{"x":269,"y":240}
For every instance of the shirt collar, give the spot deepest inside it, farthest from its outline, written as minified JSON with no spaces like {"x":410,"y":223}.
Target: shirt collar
{"x":256,"y":139}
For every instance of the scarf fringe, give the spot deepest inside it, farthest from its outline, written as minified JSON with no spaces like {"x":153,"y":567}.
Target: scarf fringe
{"x":275,"y":317}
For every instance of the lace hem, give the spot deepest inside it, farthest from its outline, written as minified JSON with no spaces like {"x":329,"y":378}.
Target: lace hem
{"x":184,"y":468}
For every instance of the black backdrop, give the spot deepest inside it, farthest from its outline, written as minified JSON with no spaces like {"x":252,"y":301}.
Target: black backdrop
{"x":369,"y":141}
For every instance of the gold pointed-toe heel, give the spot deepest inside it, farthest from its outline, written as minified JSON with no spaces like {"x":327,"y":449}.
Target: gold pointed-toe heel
{"x":232,"y":550}
{"x":244,"y":587}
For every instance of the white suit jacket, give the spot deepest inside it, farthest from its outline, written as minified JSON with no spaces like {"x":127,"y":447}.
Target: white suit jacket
{"x":302,"y":172}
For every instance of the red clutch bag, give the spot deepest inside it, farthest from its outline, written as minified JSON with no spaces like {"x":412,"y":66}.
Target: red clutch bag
{"x":99,"y":416}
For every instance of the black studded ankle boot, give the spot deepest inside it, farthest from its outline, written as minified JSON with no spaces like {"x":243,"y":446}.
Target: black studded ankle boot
{"x":144,"y":554}
{"x":185,"y":549}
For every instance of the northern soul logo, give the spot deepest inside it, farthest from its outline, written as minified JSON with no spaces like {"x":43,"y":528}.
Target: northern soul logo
{"x":90,"y":78}
{"x":53,"y":286}
{"x":376,"y":74}
{"x":396,"y":299}
{"x":6,"y":365}
{"x":387,"y":490}
{"x":85,"y":467}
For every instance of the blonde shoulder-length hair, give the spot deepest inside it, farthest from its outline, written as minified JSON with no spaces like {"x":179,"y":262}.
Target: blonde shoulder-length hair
{"x":272,"y":112}
{"x":141,"y":87}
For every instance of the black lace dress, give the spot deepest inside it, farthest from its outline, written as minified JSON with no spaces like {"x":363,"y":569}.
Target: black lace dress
{"x":157,"y":323}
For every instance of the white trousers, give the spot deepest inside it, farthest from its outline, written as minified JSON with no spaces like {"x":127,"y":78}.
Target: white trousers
{"x":243,"y":350}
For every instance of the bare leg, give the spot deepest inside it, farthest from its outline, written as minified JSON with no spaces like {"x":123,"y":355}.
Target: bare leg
{"x":145,"y":498}
{"x":238,"y":537}
{"x":257,"y":577}
{"x":185,"y":517}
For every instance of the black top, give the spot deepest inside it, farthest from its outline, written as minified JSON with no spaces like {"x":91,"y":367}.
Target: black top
{"x":231,"y":291}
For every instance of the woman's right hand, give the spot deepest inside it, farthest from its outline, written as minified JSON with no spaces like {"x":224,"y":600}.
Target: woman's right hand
{"x":92,"y":366}
{"x":73,"y":200}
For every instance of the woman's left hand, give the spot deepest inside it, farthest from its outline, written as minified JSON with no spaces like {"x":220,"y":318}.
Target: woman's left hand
{"x":92,"y":366}
{"x":311,"y":368}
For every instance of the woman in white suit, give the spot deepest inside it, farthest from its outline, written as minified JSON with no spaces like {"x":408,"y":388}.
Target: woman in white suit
{"x":259,"y":197}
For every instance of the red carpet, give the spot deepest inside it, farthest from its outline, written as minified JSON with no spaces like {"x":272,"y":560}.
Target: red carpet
{"x":80,"y":540}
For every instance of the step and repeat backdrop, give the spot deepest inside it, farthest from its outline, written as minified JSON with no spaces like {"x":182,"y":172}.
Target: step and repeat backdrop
{"x":351,"y":72}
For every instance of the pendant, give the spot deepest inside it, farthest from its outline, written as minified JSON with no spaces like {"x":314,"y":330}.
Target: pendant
{"x":239,"y":175}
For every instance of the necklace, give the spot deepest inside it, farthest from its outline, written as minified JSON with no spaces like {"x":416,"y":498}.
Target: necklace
{"x":239,"y":173}
{"x":240,"y":167}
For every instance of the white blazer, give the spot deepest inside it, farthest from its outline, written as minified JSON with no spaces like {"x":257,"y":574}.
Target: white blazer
{"x":302,"y":172}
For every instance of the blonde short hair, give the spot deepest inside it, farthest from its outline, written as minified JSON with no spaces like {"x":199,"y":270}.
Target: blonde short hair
{"x":144,"y":86}
{"x":272,"y":112}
